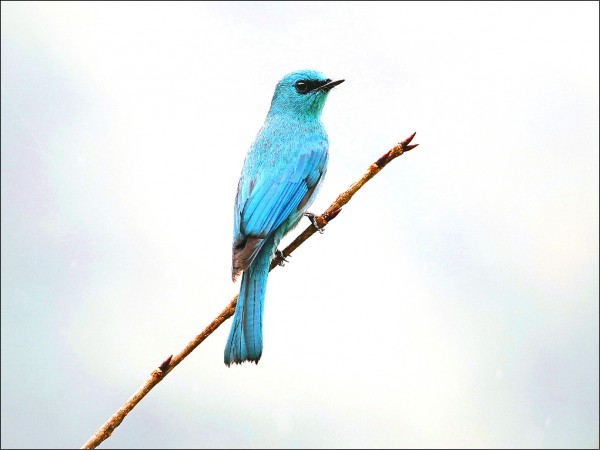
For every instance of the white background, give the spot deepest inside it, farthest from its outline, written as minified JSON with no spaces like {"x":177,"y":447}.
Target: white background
{"x":452,"y":303}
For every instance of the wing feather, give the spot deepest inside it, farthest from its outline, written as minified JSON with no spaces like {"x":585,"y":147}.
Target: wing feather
{"x":271,"y":192}
{"x":275,"y":198}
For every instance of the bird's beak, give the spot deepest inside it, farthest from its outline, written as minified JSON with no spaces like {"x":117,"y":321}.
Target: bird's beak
{"x":327,"y":87}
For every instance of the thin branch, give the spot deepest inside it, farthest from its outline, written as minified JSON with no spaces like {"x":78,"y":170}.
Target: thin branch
{"x":169,"y":364}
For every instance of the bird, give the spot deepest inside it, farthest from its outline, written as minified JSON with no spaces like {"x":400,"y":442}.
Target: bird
{"x":281,"y":175}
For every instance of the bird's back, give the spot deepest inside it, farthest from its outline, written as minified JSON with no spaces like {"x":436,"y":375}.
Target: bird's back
{"x":281,"y":175}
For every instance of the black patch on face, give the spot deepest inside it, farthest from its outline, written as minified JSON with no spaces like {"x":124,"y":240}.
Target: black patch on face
{"x":305,"y":86}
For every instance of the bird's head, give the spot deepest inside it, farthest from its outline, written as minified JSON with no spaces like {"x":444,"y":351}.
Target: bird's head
{"x":302,"y":93}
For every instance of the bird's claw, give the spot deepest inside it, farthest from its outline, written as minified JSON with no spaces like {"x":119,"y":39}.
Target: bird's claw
{"x":313,"y":220}
{"x":281,"y":257}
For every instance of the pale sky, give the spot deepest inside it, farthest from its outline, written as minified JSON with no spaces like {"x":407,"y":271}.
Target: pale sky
{"x":452,"y":303}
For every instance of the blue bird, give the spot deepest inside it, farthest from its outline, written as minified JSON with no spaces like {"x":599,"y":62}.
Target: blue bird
{"x":280,"y":178}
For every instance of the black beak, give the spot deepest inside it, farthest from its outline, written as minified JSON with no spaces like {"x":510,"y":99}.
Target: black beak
{"x":328,"y":86}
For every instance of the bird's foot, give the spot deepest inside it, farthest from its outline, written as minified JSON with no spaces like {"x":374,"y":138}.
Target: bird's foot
{"x":313,"y":220}
{"x":281,"y":257}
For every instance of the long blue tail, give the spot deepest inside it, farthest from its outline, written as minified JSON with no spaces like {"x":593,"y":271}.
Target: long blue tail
{"x":245,"y":338}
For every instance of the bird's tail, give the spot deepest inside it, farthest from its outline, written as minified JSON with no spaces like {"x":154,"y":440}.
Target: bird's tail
{"x":245,"y":338}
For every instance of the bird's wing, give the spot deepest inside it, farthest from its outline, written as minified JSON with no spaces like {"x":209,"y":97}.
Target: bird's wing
{"x":276,"y":189}
{"x":272,"y":197}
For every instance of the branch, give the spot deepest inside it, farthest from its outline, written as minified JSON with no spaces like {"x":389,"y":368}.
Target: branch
{"x":169,"y":364}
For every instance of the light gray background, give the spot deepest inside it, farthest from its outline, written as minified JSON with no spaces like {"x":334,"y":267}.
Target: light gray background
{"x":453,"y":303}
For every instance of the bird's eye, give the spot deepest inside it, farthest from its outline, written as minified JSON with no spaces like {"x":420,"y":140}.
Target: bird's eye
{"x":301,"y":87}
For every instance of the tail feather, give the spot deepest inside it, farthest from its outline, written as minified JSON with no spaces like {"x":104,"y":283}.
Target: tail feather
{"x":245,"y":338}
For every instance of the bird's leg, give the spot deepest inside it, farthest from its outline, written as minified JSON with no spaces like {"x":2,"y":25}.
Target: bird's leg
{"x":281,"y":257}
{"x":313,"y":220}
